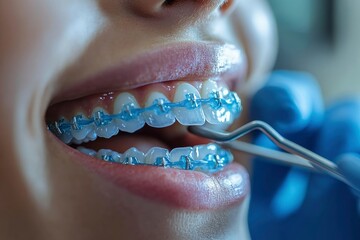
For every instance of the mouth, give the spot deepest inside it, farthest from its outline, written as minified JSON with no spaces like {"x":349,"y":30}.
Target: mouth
{"x":128,"y":124}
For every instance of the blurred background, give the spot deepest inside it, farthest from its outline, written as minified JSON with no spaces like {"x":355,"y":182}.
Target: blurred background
{"x":321,"y":37}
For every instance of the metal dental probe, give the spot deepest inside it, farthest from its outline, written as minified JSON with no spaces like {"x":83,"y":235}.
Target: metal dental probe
{"x":299,"y":156}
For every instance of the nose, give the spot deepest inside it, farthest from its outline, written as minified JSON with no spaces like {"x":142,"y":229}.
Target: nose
{"x":180,"y":10}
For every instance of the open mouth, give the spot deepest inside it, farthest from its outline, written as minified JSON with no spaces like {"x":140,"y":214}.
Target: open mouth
{"x":143,"y":125}
{"x":215,"y":105}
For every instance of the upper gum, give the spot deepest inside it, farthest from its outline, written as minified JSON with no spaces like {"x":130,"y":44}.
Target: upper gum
{"x":86,"y":105}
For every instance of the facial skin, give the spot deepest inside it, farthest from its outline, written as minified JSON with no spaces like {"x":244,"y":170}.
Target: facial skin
{"x":50,"y":44}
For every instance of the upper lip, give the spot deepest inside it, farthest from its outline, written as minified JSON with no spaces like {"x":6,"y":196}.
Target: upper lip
{"x":175,"y":61}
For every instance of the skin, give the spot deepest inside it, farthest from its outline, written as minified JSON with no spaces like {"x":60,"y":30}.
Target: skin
{"x":45,"y":195}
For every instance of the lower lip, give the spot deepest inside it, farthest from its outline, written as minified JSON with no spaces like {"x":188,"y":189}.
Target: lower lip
{"x":183,"y":189}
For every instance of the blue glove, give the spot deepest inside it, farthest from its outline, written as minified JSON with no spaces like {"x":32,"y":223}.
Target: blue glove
{"x":349,"y":166}
{"x":291,"y":203}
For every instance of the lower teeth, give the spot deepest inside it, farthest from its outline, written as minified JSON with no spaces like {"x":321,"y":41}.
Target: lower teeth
{"x":205,"y":158}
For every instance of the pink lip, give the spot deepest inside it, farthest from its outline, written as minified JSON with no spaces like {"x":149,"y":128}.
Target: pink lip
{"x":181,"y":61}
{"x":178,"y":188}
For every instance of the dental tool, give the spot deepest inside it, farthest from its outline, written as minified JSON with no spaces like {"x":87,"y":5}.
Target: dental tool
{"x":296,"y":156}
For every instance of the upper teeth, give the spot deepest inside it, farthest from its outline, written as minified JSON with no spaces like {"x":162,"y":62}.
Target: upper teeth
{"x":192,"y":113}
{"x":189,"y":107}
{"x":162,"y":116}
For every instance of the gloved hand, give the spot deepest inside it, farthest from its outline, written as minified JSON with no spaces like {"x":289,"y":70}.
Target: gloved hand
{"x":291,"y":203}
{"x":349,"y":166}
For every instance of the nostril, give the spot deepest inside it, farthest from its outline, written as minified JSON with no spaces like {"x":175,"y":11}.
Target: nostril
{"x":226,"y":5}
{"x":168,"y":2}
{"x":186,"y":10}
{"x":223,"y":5}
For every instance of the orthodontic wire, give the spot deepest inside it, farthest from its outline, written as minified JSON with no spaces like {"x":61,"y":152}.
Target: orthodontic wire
{"x":210,"y":163}
{"x":160,"y":106}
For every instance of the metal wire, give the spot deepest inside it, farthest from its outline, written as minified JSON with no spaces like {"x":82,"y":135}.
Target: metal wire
{"x":304,"y":157}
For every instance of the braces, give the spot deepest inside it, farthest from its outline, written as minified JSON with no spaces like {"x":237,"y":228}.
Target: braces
{"x":160,"y":106}
{"x":210,"y":163}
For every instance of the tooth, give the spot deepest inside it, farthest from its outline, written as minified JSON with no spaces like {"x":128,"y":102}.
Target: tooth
{"x":160,"y":116}
{"x":91,"y":136}
{"x":179,"y":157}
{"x":87,"y":151}
{"x":184,"y":115}
{"x":217,"y":127}
{"x":64,"y":135}
{"x":109,"y":129}
{"x":235,"y":108}
{"x":83,"y":131}
{"x":177,"y":153}
{"x":117,"y":157}
{"x":133,"y":154}
{"x":105,"y":154}
{"x":124,"y":103}
{"x":154,"y":153}
{"x":214,"y":112}
{"x":201,"y":151}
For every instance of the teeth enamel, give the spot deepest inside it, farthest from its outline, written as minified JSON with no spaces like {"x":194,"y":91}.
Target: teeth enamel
{"x":208,"y":158}
{"x":188,"y":116}
{"x":199,"y":152}
{"x":117,"y":157}
{"x":105,"y":130}
{"x":91,"y":136}
{"x":160,"y":117}
{"x":216,"y":106}
{"x":104,"y":154}
{"x":87,"y":151}
{"x":80,"y":133}
{"x":231,"y":113}
{"x":156,"y":153}
{"x":177,"y":153}
{"x":133,"y":156}
{"x":127,"y":102}
{"x":66,"y":137}
{"x":214,"y":113}
{"x":108,"y":155}
{"x":218,"y":127}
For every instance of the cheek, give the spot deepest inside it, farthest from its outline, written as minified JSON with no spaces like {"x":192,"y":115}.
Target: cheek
{"x":256,"y":28}
{"x":42,"y":33}
{"x":27,"y":25}
{"x":42,"y":38}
